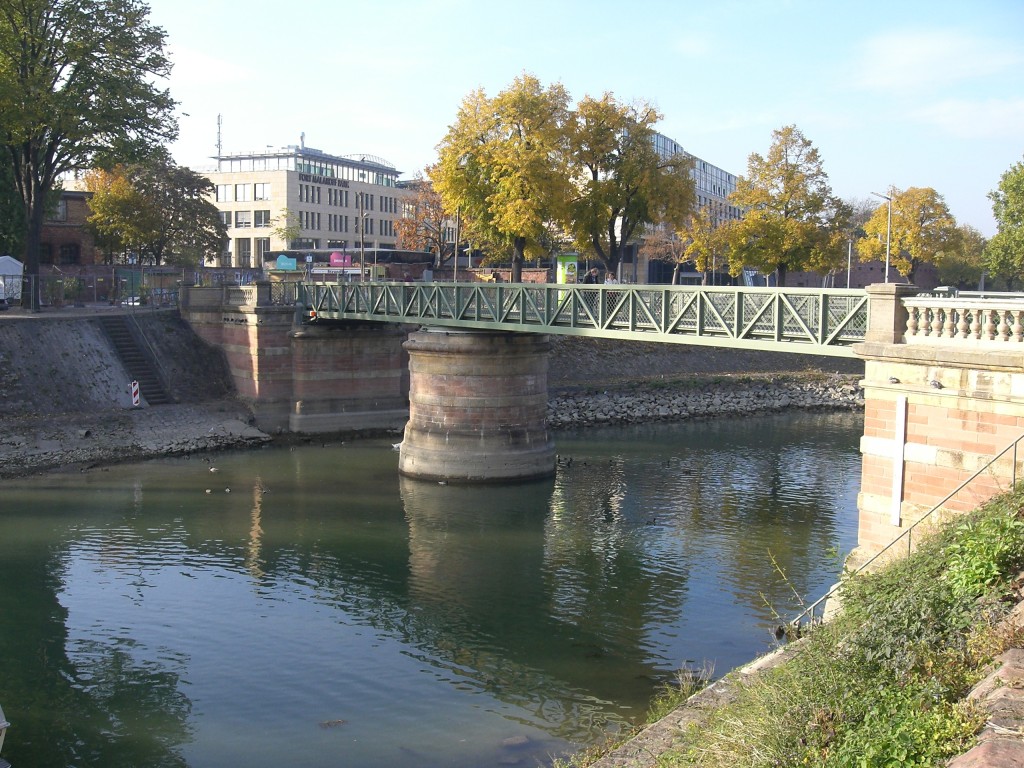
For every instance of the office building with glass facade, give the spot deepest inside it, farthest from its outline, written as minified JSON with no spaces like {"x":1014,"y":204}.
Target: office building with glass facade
{"x":300,"y":198}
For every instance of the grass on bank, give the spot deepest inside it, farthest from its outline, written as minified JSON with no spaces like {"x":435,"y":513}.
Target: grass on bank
{"x":884,"y":682}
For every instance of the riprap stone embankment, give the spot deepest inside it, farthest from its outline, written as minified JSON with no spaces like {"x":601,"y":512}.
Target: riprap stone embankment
{"x":728,"y":397}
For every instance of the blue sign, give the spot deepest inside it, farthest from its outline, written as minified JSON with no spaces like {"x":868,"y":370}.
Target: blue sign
{"x":283,"y":262}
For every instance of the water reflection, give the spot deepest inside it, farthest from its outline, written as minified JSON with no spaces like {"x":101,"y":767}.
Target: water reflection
{"x":308,"y":606}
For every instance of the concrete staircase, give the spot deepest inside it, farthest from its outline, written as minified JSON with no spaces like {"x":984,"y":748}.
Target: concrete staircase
{"x":137,"y":361}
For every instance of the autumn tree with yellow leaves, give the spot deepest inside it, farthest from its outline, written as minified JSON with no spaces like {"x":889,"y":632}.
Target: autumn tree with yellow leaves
{"x":501,"y":166}
{"x":791,"y":220}
{"x":922,"y":230}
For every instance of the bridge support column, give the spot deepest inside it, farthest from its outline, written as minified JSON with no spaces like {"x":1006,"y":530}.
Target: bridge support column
{"x":348,"y":378}
{"x":477,"y":406}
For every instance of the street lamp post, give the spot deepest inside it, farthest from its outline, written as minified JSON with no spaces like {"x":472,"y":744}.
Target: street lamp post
{"x":888,"y":231}
{"x":455,"y":247}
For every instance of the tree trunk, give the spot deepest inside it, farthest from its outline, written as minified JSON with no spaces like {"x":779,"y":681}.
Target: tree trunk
{"x":30,"y":289}
{"x":780,"y":273}
{"x":518,"y":258}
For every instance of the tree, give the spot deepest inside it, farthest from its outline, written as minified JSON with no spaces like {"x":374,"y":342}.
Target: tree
{"x":287,"y":227}
{"x":922,"y":230}
{"x":12,"y":233}
{"x":791,"y":219}
{"x":704,"y":239}
{"x":77,"y":90}
{"x":621,"y":182}
{"x":501,"y":166}
{"x":116,"y":219}
{"x":157,"y":210}
{"x":425,"y":222}
{"x":185,"y":226}
{"x":1004,"y":253}
{"x":962,"y":265}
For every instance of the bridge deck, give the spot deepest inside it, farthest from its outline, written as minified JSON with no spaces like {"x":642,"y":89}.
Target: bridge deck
{"x":803,"y":320}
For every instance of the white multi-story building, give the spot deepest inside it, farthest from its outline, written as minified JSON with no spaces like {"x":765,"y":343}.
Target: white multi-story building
{"x":300,"y":198}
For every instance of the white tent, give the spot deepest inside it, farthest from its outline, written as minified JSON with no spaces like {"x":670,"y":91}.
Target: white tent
{"x":10,"y":277}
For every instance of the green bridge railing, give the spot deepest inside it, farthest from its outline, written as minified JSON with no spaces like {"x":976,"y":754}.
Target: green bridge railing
{"x":806,"y":320}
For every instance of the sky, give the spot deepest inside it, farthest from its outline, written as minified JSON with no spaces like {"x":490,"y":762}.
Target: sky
{"x":897,"y":94}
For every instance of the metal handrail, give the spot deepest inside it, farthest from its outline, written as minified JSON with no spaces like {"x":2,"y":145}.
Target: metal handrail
{"x":815,"y":321}
{"x":809,"y":612}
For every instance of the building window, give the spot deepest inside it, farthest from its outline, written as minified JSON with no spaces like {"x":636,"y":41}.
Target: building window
{"x":243,"y":252}
{"x":243,"y":193}
{"x":243,"y":219}
{"x":225,"y":218}
{"x":261,"y":192}
{"x":69,"y":253}
{"x":262,"y":249}
{"x":262,"y":218}
{"x":223,"y":193}
{"x":60,"y":214}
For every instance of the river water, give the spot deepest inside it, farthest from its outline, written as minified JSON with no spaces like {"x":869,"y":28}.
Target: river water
{"x":307,"y":606}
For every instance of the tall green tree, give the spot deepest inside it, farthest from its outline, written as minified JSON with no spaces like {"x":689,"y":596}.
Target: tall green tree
{"x":185,"y":226}
{"x":922,"y":230}
{"x":1004,"y":253}
{"x":791,"y":219}
{"x":961,"y":266}
{"x":12,"y":233}
{"x":501,"y":166}
{"x":622,"y":184}
{"x":77,"y":89}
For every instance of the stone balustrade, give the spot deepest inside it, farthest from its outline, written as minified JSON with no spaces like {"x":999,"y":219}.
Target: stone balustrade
{"x":959,"y":319}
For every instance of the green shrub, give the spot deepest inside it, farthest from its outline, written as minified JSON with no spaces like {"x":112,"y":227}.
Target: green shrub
{"x":985,"y":551}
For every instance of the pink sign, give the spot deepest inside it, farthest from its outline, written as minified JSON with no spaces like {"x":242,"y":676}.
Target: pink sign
{"x":341,"y":259}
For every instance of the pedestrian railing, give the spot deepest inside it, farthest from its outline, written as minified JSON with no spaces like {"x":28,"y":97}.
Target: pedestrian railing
{"x":815,"y":321}
{"x":814,"y":613}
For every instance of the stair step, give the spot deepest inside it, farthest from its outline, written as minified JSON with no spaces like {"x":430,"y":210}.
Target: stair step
{"x":134,"y":359}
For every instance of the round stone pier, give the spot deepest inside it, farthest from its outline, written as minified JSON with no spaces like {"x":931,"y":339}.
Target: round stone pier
{"x":477,"y":406}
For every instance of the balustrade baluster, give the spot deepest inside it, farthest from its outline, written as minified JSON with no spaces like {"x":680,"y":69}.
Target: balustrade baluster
{"x":949,"y":327}
{"x":1018,"y":325}
{"x":990,"y":324}
{"x":937,"y":318}
{"x":913,"y":321}
{"x":963,"y":325}
{"x":976,"y":323}
{"x":1004,"y":325}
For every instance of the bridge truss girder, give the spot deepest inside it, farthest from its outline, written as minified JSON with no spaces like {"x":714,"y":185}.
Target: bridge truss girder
{"x":801,"y":320}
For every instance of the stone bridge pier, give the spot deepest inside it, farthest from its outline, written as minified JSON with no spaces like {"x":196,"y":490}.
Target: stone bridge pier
{"x":944,"y":393}
{"x":477,"y":406}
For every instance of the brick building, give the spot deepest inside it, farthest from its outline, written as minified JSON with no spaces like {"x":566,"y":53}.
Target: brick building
{"x":65,"y":239}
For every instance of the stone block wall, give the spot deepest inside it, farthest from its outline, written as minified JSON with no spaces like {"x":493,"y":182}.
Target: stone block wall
{"x":933,"y":416}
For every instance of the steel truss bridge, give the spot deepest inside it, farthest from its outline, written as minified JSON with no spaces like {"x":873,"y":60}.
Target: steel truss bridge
{"x":805,"y":320}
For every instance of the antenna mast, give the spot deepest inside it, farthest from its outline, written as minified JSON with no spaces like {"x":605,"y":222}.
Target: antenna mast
{"x":218,"y":137}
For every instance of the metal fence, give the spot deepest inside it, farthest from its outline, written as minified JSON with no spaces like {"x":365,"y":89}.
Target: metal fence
{"x":156,"y":290}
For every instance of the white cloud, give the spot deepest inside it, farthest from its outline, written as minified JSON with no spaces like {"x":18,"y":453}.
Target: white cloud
{"x":995,"y":118}
{"x":930,"y":59}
